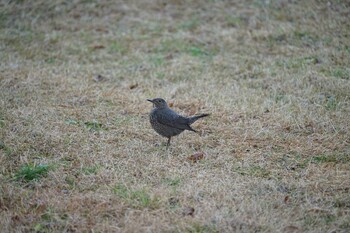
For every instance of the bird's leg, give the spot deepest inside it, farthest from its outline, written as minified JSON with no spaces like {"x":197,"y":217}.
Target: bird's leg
{"x":168,"y":144}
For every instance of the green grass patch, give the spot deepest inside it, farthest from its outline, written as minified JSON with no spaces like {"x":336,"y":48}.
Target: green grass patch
{"x":324,"y":159}
{"x":71,"y":122}
{"x":169,"y":46}
{"x":136,"y":198}
{"x":32,"y":172}
{"x":345,"y":224}
{"x":298,"y":63}
{"x":157,"y":60}
{"x":90,"y":170}
{"x":45,"y":221}
{"x":122,"y":120}
{"x":7,"y":150}
{"x":50,"y":60}
{"x":160,"y":75}
{"x":93,"y":125}
{"x":343,"y":202}
{"x":2,"y":145}
{"x":190,"y":24}
{"x":347,"y":48}
{"x":199,"y":228}
{"x":174,"y":182}
{"x":305,"y":38}
{"x":118,"y":47}
{"x":297,"y":38}
{"x":70,"y":180}
{"x":311,"y":220}
{"x":331,"y":103}
{"x":340,"y":72}
{"x":331,"y":158}
{"x":197,"y":52}
{"x":233,"y":21}
{"x":4,"y":16}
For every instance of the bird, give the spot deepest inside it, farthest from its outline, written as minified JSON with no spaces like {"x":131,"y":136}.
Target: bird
{"x":167,"y":122}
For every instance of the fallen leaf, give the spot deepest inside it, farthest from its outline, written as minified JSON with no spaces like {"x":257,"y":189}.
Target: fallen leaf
{"x":286,"y":198}
{"x":16,"y":218}
{"x":196,"y":157}
{"x":101,"y":30}
{"x":41,"y":208}
{"x":132,"y":86}
{"x":188,"y":211}
{"x":99,"y":46}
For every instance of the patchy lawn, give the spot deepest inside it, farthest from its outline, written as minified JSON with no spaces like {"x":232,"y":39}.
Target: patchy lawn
{"x":77,"y":152}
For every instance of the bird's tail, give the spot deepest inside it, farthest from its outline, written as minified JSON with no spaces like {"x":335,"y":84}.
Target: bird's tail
{"x":194,"y":118}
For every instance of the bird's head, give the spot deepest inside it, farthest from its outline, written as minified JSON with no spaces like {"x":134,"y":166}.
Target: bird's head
{"x":158,"y":103}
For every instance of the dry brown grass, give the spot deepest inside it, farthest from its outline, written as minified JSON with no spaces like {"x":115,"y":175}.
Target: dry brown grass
{"x":78,"y":154}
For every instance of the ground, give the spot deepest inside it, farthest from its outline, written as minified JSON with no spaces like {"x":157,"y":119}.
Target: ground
{"x":77,"y":152}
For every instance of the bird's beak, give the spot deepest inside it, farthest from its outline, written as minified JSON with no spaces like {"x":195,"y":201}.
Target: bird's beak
{"x":150,"y":100}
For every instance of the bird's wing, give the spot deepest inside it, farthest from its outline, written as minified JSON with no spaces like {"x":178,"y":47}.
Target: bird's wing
{"x":175,"y":121}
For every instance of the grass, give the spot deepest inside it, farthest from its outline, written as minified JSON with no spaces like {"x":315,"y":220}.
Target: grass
{"x":136,"y":198}
{"x":77,"y":152}
{"x":31,"y":172}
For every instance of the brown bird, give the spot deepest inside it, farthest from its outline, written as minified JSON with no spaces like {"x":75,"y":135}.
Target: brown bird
{"x":168,"y":123}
